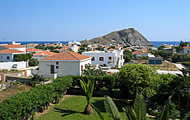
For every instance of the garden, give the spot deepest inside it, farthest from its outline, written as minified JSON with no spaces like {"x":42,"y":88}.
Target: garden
{"x":137,"y":92}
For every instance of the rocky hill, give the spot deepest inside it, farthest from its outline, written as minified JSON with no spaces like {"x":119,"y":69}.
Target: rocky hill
{"x":123,"y":37}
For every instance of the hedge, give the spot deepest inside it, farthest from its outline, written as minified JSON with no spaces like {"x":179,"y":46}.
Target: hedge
{"x":24,"y":105}
{"x":107,"y":81}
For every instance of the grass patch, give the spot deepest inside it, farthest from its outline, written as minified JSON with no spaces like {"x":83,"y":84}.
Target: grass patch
{"x":72,"y":109}
{"x":165,"y":65}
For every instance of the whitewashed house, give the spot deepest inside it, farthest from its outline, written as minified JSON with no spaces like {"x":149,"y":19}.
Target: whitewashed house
{"x":140,"y":54}
{"x":7,"y":55}
{"x":109,"y":58}
{"x":62,"y":64}
{"x":74,"y":48}
{"x":74,"y":43}
{"x":186,"y":50}
{"x":17,"y":47}
{"x":42,"y":54}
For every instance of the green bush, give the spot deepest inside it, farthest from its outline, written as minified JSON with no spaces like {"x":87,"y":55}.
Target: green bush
{"x":24,"y":105}
{"x":22,"y":57}
{"x":180,"y":58}
{"x":134,"y":78}
{"x":107,"y":81}
{"x":33,"y":62}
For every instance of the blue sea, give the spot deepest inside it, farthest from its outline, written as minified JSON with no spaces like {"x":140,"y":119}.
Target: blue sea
{"x":159,"y":43}
{"x":155,"y":43}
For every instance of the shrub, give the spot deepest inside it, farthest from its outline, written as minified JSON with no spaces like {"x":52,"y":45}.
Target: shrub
{"x":180,"y":58}
{"x":24,"y":105}
{"x":33,"y":62}
{"x":134,"y":78}
{"x":22,"y":57}
{"x":107,"y":81}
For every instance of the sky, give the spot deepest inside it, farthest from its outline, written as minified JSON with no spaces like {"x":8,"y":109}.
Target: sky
{"x":68,"y":20}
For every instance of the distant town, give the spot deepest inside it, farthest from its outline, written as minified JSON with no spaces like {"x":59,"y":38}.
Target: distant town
{"x":36,"y":64}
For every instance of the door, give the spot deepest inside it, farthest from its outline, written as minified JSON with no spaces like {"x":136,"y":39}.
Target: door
{"x":52,"y":70}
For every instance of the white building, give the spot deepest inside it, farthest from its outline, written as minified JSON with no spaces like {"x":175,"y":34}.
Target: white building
{"x":186,"y":50}
{"x":14,"y":43}
{"x":74,"y":48}
{"x":17,"y":47}
{"x":62,"y":64}
{"x":109,"y":58}
{"x":7,"y":55}
{"x":140,"y":54}
{"x":42,"y":54}
{"x":73,"y":43}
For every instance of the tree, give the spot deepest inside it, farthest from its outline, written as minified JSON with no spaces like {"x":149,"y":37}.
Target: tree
{"x":127,"y":55}
{"x":180,"y":58}
{"x":138,"y":77}
{"x":33,"y":62}
{"x":161,"y":47}
{"x":93,"y":71}
{"x":178,"y":48}
{"x":183,"y":44}
{"x":22,"y":57}
{"x":88,"y":89}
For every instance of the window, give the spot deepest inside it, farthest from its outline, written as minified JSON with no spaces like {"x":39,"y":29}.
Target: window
{"x":57,"y":67}
{"x":8,"y":57}
{"x":110,"y":58}
{"x":93,"y":59}
{"x":57,"y":63}
{"x":101,"y":58}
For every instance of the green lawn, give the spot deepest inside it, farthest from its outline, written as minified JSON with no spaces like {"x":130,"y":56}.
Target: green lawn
{"x":71,"y":109}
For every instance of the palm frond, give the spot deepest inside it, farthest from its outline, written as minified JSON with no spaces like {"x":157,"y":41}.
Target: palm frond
{"x":130,"y":113}
{"x":165,"y":112}
{"x":111,"y":109}
{"x":139,"y":107}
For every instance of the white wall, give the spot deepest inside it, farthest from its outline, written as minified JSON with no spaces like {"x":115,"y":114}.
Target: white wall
{"x":84,"y":63}
{"x":65,"y":67}
{"x":110,"y":63}
{"x":187,"y":50}
{"x":3,"y":57}
{"x":20,"y":49}
{"x":38,"y":57}
{"x":8,"y":65}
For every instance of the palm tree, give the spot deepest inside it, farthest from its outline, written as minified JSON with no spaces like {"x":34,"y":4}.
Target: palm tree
{"x":88,"y":90}
{"x":137,"y":112}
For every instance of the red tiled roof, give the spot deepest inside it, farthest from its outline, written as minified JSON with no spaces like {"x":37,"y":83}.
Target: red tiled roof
{"x":168,"y":46}
{"x":186,"y":47}
{"x":12,"y":46}
{"x":64,"y":48}
{"x":33,"y":44}
{"x":11,"y":51}
{"x":33,"y":50}
{"x":68,"y":55}
{"x":139,"y":52}
{"x":45,"y":53}
{"x":144,"y":49}
{"x":111,"y":49}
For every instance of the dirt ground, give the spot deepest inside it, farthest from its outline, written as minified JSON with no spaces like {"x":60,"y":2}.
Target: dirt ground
{"x":13,"y":90}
